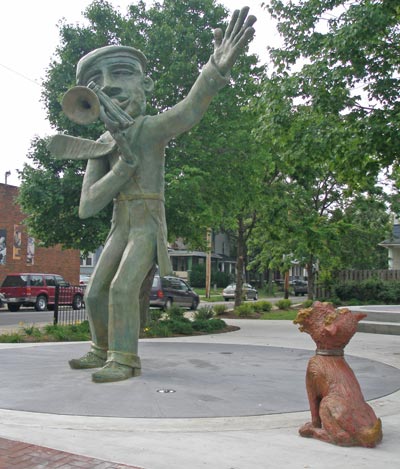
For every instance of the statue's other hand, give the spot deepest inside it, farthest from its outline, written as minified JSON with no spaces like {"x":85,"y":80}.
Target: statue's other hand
{"x":114,"y":118}
{"x":239,"y":33}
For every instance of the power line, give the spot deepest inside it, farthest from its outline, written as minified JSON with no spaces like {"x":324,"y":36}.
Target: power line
{"x":20,"y":74}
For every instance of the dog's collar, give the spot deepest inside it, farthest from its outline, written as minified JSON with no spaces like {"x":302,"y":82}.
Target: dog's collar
{"x":336,"y":352}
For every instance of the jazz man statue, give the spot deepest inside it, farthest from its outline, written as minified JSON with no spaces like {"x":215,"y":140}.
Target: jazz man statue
{"x":126,"y":166}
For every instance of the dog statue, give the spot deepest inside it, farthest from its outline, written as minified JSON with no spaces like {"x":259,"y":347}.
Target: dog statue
{"x":339,"y":412}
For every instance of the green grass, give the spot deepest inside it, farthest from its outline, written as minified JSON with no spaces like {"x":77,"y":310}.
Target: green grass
{"x":202,"y":291}
{"x":212,"y":299}
{"x":288,"y":315}
{"x":215,"y":295}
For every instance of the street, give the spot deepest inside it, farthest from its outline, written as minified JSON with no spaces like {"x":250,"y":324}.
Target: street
{"x":28,"y":316}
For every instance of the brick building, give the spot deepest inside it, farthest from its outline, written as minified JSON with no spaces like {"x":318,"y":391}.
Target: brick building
{"x":20,"y":253}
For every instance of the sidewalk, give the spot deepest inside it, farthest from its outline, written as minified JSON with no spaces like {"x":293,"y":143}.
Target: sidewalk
{"x":266,"y":440}
{"x":14,"y":454}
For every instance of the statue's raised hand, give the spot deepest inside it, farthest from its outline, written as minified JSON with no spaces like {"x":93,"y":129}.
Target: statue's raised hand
{"x":239,"y":33}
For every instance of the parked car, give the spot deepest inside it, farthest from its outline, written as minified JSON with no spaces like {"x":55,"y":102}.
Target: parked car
{"x":168,"y":291}
{"x":38,"y":290}
{"x":84,"y":279}
{"x":249,"y":292}
{"x":300,"y":287}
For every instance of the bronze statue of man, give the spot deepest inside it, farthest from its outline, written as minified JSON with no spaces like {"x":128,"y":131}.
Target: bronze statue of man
{"x":126,"y":166}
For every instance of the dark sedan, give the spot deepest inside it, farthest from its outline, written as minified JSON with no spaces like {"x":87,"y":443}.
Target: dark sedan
{"x":168,"y":291}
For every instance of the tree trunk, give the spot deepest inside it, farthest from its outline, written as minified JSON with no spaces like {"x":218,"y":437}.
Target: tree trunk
{"x":240,"y":263}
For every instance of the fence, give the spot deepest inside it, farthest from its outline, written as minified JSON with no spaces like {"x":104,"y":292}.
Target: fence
{"x":345,"y":276}
{"x":69,"y":307}
{"x":357,"y":276}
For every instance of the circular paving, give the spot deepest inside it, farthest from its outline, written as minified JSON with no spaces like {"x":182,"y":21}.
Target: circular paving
{"x":179,"y":380}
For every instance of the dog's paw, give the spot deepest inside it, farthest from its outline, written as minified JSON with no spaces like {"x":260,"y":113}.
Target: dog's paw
{"x":307,"y":430}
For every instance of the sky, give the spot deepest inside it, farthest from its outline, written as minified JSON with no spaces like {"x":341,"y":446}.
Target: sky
{"x":28,"y":38}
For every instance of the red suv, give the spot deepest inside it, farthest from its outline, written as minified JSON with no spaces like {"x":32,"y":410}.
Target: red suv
{"x":38,"y":290}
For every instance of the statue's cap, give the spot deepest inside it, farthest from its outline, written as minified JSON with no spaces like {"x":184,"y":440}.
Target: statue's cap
{"x":89,"y":59}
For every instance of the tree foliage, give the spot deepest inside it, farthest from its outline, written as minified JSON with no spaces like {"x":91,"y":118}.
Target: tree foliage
{"x":367,"y":223}
{"x":341,"y":57}
{"x":328,"y":113}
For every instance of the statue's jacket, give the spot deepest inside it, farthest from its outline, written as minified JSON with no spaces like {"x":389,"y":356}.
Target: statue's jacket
{"x":138,"y":184}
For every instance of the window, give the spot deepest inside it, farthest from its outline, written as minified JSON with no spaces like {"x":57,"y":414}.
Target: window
{"x":50,"y":281}
{"x":183,"y":286}
{"x":175,"y":283}
{"x":165,"y":282}
{"x":156,"y":282}
{"x":87,"y":261}
{"x":60,"y":281}
{"x":15,"y":281}
{"x":37,"y":281}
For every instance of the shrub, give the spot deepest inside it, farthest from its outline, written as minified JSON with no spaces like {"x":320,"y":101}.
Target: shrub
{"x":307,"y":303}
{"x":180,"y":327}
{"x":284,"y":304}
{"x":157,"y":329}
{"x":204,"y":325}
{"x":217,"y":324}
{"x":245,"y":310}
{"x":368,"y":291}
{"x":264,"y":306}
{"x":220,"y":309}
{"x":205,"y":312}
{"x":336,"y":301}
{"x":353,"y":302}
{"x":175,"y":312}
{"x":155,"y":314}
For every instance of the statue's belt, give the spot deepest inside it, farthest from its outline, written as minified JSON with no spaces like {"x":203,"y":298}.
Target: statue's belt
{"x":143,"y":196}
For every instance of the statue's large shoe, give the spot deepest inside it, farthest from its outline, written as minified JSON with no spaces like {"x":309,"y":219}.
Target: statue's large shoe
{"x":113,"y":371}
{"x":90,"y":360}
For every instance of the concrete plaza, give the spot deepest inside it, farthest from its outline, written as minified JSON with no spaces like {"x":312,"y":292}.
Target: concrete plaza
{"x":223,"y":401}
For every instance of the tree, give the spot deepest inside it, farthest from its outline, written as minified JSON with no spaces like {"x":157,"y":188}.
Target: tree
{"x":300,"y":222}
{"x":341,"y":57}
{"x":328,"y":140}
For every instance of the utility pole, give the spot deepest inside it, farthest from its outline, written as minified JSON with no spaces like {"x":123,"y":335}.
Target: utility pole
{"x":208,"y":263}
{"x":286,"y":285}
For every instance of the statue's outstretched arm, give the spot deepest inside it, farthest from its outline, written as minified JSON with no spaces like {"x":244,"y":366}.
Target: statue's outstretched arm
{"x":215,"y":74}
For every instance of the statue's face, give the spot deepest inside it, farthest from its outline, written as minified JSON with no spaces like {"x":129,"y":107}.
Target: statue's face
{"x":122,"y":79}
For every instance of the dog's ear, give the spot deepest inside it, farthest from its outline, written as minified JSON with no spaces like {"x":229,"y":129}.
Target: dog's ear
{"x":360,"y":316}
{"x":332,"y":329}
